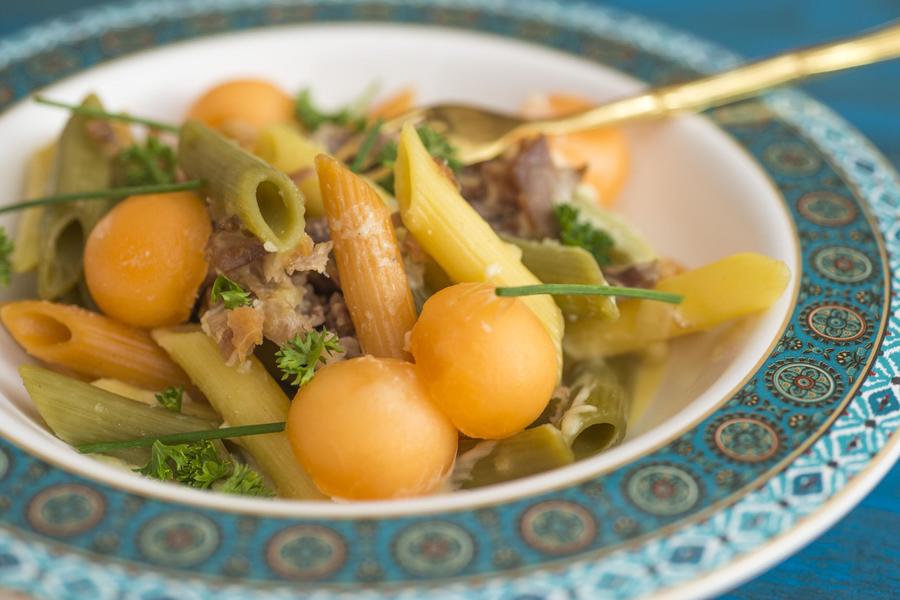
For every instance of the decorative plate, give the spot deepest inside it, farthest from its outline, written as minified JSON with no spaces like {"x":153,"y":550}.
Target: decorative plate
{"x":775,"y":442}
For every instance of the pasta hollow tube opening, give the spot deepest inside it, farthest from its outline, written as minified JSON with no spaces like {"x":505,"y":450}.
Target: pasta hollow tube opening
{"x":90,"y":344}
{"x":266,"y":201}
{"x":456,"y":236}
{"x":373,"y":278}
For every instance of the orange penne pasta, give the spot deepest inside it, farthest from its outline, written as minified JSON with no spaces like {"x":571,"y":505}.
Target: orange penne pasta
{"x":368,"y":259}
{"x":604,"y":152}
{"x":90,"y":344}
{"x":394,"y":105}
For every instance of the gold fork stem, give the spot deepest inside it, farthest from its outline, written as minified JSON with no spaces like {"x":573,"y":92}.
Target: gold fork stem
{"x":729,"y":86}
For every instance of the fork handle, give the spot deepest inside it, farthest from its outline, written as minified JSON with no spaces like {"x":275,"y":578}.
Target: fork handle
{"x":741,"y":82}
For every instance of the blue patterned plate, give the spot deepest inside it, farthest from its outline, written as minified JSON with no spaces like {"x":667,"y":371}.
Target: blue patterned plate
{"x":719,"y":492}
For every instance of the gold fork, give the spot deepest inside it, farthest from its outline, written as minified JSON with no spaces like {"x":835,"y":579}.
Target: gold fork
{"x":480,"y":134}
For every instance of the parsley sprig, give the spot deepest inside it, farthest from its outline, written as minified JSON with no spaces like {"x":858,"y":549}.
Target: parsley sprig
{"x":312,"y":117}
{"x":199,"y":465}
{"x":6,"y":249}
{"x":300,"y":357}
{"x":573,"y":232}
{"x":171,"y":398}
{"x":149,"y":163}
{"x":229,"y":293}
{"x":245,"y":482}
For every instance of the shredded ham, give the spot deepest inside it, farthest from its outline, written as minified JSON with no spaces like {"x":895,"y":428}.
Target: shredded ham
{"x":516,"y":192}
{"x":237,"y":332}
{"x":284,"y":284}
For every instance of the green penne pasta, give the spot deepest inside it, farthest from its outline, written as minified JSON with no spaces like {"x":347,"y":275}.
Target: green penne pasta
{"x":243,"y":397}
{"x":26,"y":251}
{"x":596,"y":416}
{"x":241,"y":185}
{"x":629,"y":246}
{"x":529,"y":452}
{"x":80,"y":413}
{"x":552,"y":262}
{"x":81,"y":165}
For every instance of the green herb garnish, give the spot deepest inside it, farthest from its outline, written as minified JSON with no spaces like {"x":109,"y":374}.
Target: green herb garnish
{"x":573,"y":232}
{"x":245,"y":482}
{"x":6,"y":249}
{"x":229,"y":293}
{"x":170,"y":398}
{"x":149,"y":163}
{"x":302,"y":355}
{"x":199,"y":465}
{"x":98,"y":113}
{"x":219,"y":433}
{"x":366,"y":146}
{"x":114,"y":192}
{"x":578,"y":289}
{"x":312,"y":117}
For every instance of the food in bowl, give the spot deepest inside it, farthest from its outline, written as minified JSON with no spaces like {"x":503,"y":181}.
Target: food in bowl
{"x":439,"y":326}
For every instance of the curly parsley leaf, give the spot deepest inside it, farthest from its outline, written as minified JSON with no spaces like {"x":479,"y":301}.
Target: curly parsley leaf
{"x":246,"y":482}
{"x":6,"y":249}
{"x":170,"y":398}
{"x":199,"y":465}
{"x":573,"y":232}
{"x":312,"y":117}
{"x":152,"y":162}
{"x":302,"y":355}
{"x":229,"y":293}
{"x":438,"y":146}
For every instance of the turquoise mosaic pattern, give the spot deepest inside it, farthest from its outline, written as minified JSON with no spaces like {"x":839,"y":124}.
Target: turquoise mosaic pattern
{"x":823,"y":169}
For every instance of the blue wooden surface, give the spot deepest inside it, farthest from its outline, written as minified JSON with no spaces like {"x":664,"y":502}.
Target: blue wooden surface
{"x":860,"y":556}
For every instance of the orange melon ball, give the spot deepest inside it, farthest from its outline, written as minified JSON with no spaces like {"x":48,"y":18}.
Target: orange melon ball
{"x":365,"y":429}
{"x":144,"y":261}
{"x":488,"y":362}
{"x":248,"y":101}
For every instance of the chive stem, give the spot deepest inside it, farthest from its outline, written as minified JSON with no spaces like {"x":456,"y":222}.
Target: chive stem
{"x":366,"y":146}
{"x":573,"y":289}
{"x":118,"y":192}
{"x":184,"y":438}
{"x":102,"y":114}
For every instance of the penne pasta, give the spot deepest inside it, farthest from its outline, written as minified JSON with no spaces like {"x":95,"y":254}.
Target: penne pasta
{"x":242,"y":398}
{"x":369,"y":262}
{"x":287,"y":149}
{"x":241,"y":185}
{"x":629,"y":246}
{"x":528,"y":452}
{"x":26,"y":251}
{"x":90,"y":344}
{"x":595,"y":417}
{"x":81,"y":413}
{"x":81,"y":165}
{"x":552,"y":262}
{"x":456,"y":236}
{"x":733,"y":287}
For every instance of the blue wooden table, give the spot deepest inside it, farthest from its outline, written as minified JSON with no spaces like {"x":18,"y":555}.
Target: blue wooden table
{"x":860,"y":556}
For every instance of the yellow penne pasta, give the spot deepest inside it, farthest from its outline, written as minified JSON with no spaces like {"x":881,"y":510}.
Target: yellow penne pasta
{"x":90,"y":344}
{"x":242,"y":397}
{"x":733,"y":287}
{"x":456,"y":236}
{"x":286,"y":148}
{"x":369,"y":262}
